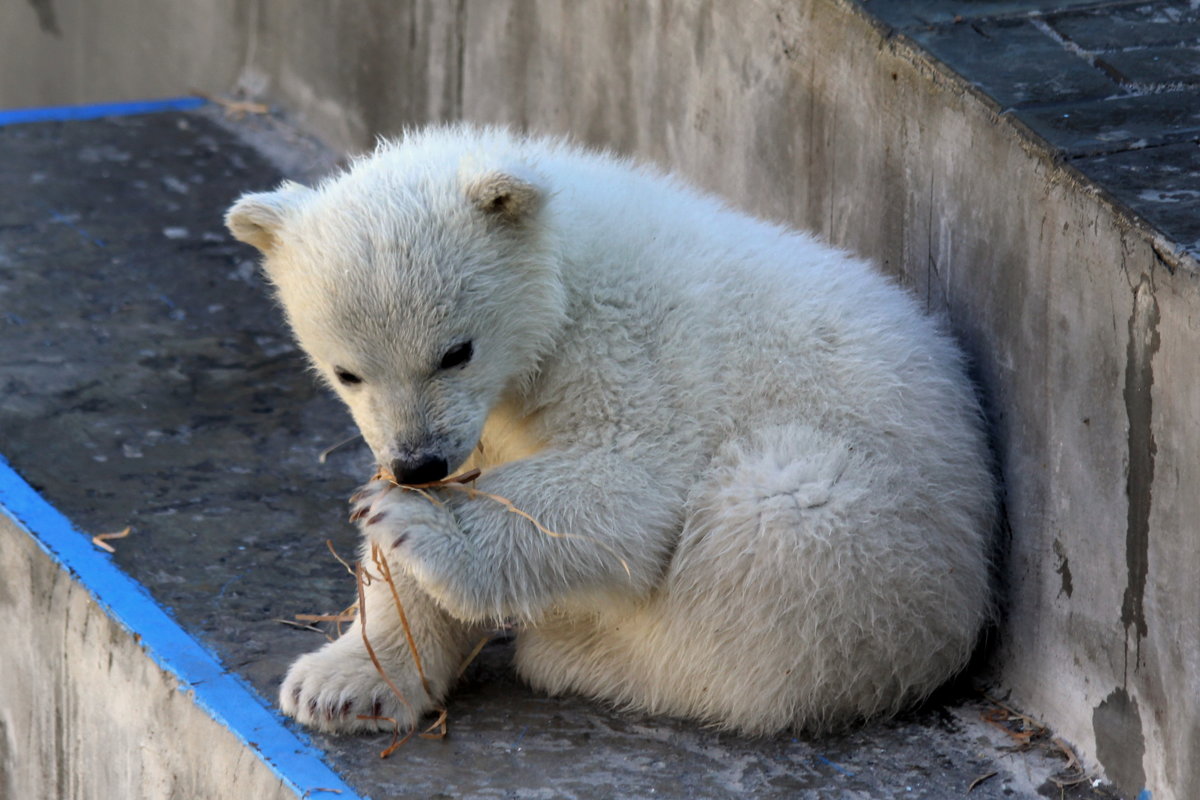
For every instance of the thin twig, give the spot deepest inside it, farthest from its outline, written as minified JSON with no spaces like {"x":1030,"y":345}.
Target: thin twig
{"x":980,"y":780}
{"x":301,"y":626}
{"x":466,"y":477}
{"x":461,"y":481}
{"x":234,"y":108}
{"x":1065,"y":777}
{"x":328,"y":450}
{"x":438,"y":725}
{"x":343,"y":617}
{"x":1030,"y":721}
{"x":472,"y":656}
{"x":381,"y":563}
{"x":352,"y":612}
{"x":340,"y":560}
{"x":101,"y":539}
{"x":362,"y":624}
{"x":396,"y":740}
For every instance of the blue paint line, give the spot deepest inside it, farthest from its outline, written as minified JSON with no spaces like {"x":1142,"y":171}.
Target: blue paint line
{"x":17,"y":116}
{"x":838,"y":767}
{"x":59,"y":217}
{"x":222,"y":694}
{"x":1144,"y":794}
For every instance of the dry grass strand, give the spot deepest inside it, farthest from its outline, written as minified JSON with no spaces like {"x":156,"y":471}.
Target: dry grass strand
{"x":340,"y":560}
{"x":101,"y":539}
{"x":382,"y":564}
{"x":362,"y":625}
{"x":475,"y":651}
{"x":343,"y":617}
{"x":299,"y":625}
{"x":460,"y":482}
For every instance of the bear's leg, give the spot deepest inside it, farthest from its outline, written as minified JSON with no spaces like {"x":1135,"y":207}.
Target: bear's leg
{"x":813,"y":584}
{"x":592,"y":528}
{"x":331,"y":688}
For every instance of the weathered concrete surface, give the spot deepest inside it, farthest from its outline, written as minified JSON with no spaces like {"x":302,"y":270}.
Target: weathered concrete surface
{"x":1081,"y":319}
{"x":85,"y":714}
{"x":58,"y":52}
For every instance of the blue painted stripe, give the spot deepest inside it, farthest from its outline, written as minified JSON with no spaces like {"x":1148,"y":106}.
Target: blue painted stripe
{"x":15,"y":116}
{"x":224,"y":695}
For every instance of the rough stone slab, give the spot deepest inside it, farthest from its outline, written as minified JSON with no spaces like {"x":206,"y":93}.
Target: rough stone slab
{"x":1130,"y":25}
{"x":1120,"y":123}
{"x":1154,"y":67}
{"x":1015,"y":63}
{"x":904,"y":14}
{"x":147,"y":380}
{"x":1162,"y":184}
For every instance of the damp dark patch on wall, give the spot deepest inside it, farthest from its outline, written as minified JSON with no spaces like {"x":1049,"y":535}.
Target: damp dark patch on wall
{"x":1139,"y":382}
{"x":47,"y":19}
{"x":7,"y":753}
{"x":1063,"y":569}
{"x":1120,"y":747}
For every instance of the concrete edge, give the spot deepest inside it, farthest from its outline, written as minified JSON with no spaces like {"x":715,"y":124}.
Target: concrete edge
{"x":220,"y":693}
{"x":1172,"y":255}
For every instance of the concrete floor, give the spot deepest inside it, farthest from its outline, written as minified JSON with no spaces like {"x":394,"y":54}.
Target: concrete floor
{"x":146,"y":380}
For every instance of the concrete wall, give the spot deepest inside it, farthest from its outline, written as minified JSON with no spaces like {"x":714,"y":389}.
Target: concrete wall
{"x":57,"y":52}
{"x":85,"y":714}
{"x":1083,"y":327}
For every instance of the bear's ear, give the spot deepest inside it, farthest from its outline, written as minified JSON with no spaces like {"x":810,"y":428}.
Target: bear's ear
{"x":256,"y":218}
{"x":504,"y":197}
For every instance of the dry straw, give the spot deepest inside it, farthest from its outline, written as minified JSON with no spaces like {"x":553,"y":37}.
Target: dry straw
{"x":101,"y":539}
{"x":460,"y":482}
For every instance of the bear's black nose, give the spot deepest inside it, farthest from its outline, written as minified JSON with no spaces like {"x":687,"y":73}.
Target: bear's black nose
{"x":423,"y":470}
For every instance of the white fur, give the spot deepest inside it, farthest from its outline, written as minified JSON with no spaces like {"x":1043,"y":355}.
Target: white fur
{"x":768,"y":463}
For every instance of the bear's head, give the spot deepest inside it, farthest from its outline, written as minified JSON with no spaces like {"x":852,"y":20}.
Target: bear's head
{"x":424,"y":290}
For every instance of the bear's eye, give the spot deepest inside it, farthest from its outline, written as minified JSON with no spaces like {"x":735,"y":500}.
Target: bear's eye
{"x":457,"y":356}
{"x":347,"y":378}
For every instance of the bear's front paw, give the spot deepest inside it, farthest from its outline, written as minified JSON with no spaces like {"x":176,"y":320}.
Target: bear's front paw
{"x":413,"y":527}
{"x":337,"y":690}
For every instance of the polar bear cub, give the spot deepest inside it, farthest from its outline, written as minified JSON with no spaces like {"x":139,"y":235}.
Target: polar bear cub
{"x":766,"y":465}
